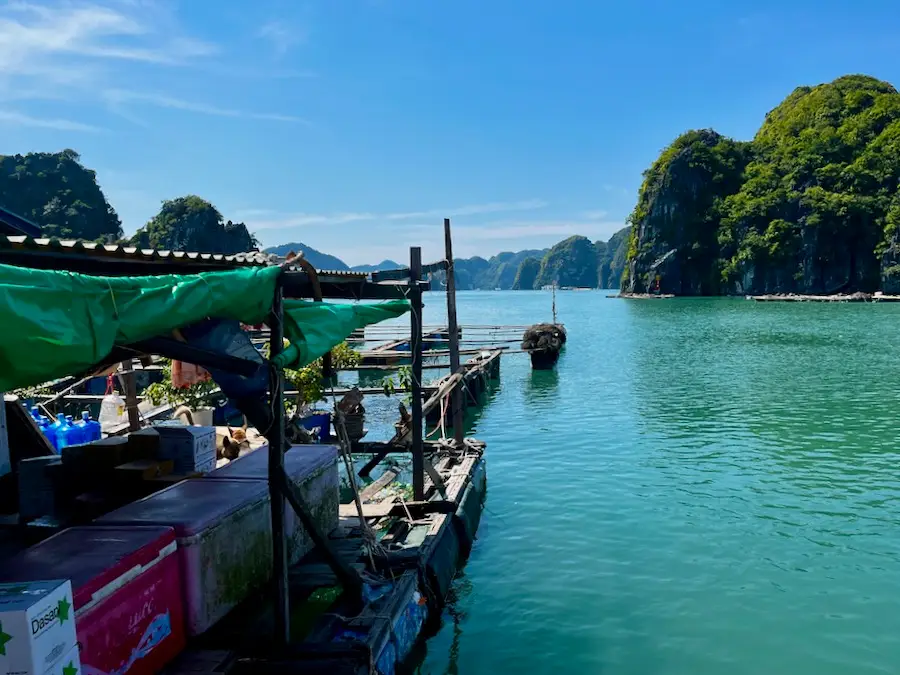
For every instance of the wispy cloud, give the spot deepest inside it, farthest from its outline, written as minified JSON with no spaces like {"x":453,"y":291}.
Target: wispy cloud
{"x":70,"y":49}
{"x":520,"y":229}
{"x":270,"y":220}
{"x":598,"y":214}
{"x":119,"y":99}
{"x":282,"y":36}
{"x":34,"y":37}
{"x":12,"y":118}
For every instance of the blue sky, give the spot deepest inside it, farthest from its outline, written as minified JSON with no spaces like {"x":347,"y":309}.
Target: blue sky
{"x":355,"y":126}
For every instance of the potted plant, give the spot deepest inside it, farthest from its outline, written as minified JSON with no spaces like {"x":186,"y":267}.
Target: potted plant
{"x":311,"y":388}
{"x":192,"y":398}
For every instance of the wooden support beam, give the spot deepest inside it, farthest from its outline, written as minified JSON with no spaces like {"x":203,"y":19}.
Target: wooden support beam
{"x":435,"y":477}
{"x":445,"y":387}
{"x":456,"y":397}
{"x":377,"y":486}
{"x":377,"y":459}
{"x":278,"y":478}
{"x":415,"y":340}
{"x":131,"y":399}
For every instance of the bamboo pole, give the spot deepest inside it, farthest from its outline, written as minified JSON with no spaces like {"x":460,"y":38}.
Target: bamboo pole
{"x":415,"y":342}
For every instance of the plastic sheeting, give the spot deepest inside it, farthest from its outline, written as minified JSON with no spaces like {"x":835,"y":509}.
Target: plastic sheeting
{"x":313,"y":328}
{"x":58,"y":323}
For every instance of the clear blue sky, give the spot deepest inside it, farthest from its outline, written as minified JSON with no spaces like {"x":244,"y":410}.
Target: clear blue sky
{"x":355,"y":126}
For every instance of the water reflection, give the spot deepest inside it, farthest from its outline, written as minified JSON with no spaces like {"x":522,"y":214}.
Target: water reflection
{"x":450,"y":621}
{"x":542,"y":385}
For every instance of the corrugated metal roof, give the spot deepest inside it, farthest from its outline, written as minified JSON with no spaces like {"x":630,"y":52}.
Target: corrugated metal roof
{"x":20,"y":244}
{"x":25,"y":243}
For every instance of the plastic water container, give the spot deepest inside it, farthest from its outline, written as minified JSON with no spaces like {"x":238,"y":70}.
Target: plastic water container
{"x":52,"y":430}
{"x":112,"y":411}
{"x":75,"y":434}
{"x":44,"y":425}
{"x":63,"y":431}
{"x":90,"y":429}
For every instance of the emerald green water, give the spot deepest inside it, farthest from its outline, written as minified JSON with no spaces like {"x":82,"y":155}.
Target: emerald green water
{"x":703,"y":486}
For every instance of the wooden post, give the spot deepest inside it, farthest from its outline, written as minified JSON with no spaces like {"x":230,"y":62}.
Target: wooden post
{"x":415,"y":344}
{"x":456,"y":399}
{"x":276,"y":476}
{"x":131,"y":402}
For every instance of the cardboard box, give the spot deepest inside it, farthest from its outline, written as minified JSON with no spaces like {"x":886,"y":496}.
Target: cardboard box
{"x":70,"y":664}
{"x":190,"y":448}
{"x":37,"y":626}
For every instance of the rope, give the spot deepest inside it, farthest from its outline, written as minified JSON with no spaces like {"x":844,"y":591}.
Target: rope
{"x":370,"y":539}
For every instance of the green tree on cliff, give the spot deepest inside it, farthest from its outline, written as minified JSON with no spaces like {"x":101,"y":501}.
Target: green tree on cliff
{"x":54,"y":190}
{"x":571,"y":262}
{"x":809,"y":205}
{"x":193,"y":224}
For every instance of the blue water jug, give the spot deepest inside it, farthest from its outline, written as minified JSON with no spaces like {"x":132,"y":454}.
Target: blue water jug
{"x":44,"y":425}
{"x":61,"y":427}
{"x":52,"y":430}
{"x":73,"y":433}
{"x":90,"y":429}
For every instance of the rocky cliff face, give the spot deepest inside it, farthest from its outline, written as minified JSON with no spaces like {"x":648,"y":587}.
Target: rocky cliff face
{"x":673,"y":239}
{"x":611,"y":260}
{"x":808,"y":206}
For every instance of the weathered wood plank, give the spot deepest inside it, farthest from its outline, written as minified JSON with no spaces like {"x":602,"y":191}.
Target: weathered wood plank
{"x":386,"y":509}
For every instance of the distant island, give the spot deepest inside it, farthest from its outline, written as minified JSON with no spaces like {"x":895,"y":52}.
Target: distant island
{"x":58,"y":193}
{"x":810,"y":205}
{"x":575,"y":262}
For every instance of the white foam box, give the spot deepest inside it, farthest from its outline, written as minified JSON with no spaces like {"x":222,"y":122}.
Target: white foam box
{"x":70,"y":664}
{"x":37,"y":626}
{"x":191,"y":449}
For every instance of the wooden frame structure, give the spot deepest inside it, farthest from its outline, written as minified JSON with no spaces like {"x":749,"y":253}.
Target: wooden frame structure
{"x":294,"y":282}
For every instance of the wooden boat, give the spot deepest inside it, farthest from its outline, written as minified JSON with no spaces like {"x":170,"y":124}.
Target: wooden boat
{"x":543,"y":342}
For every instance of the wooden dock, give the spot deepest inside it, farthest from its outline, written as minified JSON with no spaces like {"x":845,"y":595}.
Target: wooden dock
{"x":391,"y":353}
{"x":474,"y":377}
{"x":838,"y":297}
{"x":421,"y":547}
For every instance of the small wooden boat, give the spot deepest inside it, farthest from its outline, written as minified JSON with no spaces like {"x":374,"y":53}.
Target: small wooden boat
{"x":543,"y":342}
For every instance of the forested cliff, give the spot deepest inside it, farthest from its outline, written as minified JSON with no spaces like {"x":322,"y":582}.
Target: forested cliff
{"x":810,"y":205}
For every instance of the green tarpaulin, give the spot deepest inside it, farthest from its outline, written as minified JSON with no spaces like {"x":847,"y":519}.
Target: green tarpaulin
{"x":58,"y":323}
{"x":313,"y":328}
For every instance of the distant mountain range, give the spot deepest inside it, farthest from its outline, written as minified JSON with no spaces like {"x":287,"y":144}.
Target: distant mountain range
{"x":324,"y":261}
{"x":575,"y":261}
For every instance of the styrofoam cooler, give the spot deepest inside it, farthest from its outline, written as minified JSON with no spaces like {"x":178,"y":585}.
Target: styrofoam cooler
{"x":126,"y":585}
{"x":224,"y":534}
{"x":314,"y":469}
{"x":190,"y":448}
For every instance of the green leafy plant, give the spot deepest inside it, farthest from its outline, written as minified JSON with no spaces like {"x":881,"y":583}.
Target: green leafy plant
{"x":404,"y":381}
{"x":309,"y":380}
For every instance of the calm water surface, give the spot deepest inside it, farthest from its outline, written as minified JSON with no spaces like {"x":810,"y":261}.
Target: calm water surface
{"x":703,"y":486}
